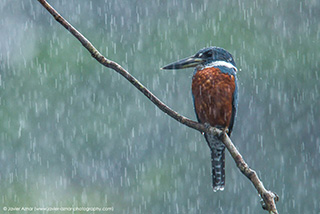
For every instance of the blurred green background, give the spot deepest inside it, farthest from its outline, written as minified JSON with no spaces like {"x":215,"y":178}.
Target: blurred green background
{"x":74,"y":133}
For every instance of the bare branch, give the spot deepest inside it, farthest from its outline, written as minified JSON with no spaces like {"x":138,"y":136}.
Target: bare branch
{"x":269,"y":198}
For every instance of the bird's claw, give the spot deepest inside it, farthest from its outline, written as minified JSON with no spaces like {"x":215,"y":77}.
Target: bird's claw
{"x":207,"y":125}
{"x":226,"y":130}
{"x":223,"y":129}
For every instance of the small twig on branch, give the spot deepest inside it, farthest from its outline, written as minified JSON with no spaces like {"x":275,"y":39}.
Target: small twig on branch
{"x":269,"y":198}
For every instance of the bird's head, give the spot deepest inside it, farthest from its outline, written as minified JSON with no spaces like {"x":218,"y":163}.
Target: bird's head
{"x":204,"y":57}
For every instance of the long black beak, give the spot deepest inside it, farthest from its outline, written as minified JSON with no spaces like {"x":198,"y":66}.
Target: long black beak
{"x":185,"y":63}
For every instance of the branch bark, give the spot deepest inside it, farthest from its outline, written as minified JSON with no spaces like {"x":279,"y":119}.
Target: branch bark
{"x":269,"y":198}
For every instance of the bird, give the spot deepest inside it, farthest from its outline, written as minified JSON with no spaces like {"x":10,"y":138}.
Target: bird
{"x":215,"y":98}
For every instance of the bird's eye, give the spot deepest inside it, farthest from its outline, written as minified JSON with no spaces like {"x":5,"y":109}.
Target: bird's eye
{"x":209,"y":53}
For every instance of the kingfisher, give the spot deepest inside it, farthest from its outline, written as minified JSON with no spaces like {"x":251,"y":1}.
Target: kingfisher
{"x":215,"y":97}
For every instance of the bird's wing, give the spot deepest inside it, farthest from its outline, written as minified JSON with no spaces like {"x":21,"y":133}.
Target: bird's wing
{"x":234,"y":107}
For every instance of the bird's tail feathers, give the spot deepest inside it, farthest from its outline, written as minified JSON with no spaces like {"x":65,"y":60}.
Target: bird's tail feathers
{"x":218,"y":169}
{"x":217,"y":161}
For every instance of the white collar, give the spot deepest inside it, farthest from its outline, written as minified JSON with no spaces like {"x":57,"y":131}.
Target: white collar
{"x":221,"y":63}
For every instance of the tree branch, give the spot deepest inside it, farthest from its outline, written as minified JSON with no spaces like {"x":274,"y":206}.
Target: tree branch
{"x":269,"y":198}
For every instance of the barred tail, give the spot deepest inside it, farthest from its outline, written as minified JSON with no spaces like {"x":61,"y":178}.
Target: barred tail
{"x":218,"y":171}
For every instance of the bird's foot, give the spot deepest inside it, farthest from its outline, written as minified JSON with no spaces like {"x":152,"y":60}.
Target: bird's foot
{"x":225,"y":130}
{"x":208,"y":128}
{"x":214,"y":132}
{"x":207,"y":125}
